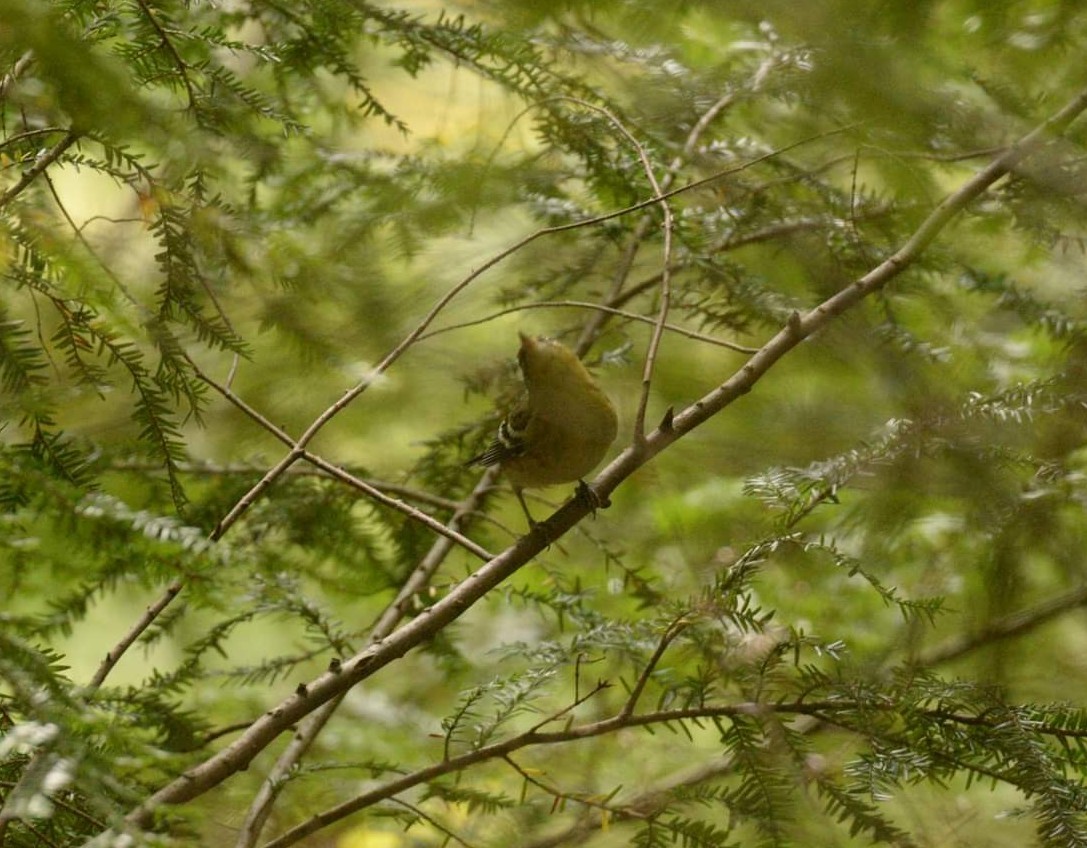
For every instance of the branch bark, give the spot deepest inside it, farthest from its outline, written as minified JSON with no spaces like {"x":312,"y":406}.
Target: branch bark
{"x":43,"y":161}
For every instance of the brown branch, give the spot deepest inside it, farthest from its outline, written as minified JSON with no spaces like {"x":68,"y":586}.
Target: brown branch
{"x":665,"y":294}
{"x":332,"y":470}
{"x":43,"y":161}
{"x":168,"y":45}
{"x":152,"y":612}
{"x":598,"y":307}
{"x":11,"y":77}
{"x":674,"y":629}
{"x":1005,"y":627}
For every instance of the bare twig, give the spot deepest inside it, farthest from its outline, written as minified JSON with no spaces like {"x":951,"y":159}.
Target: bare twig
{"x":43,"y":161}
{"x":369,"y":490}
{"x":18,"y":138}
{"x":674,"y":629}
{"x":598,"y":307}
{"x":11,"y":77}
{"x":597,"y":688}
{"x":141,"y":624}
{"x":433,"y":822}
{"x":241,"y":469}
{"x":395,"y":503}
{"x":1005,"y":627}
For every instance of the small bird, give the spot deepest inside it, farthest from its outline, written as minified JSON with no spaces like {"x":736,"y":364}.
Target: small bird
{"x":560,"y":429}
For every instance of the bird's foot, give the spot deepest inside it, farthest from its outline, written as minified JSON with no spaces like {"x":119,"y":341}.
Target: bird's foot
{"x":543,"y":530}
{"x":589,"y":496}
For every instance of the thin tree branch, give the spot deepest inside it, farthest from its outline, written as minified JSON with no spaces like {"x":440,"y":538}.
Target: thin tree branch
{"x":11,"y":77}
{"x":43,"y":161}
{"x":152,"y":612}
{"x":395,"y":503}
{"x":168,"y":45}
{"x":558,"y":794}
{"x":433,"y":822}
{"x":674,"y":629}
{"x":598,"y":307}
{"x":1005,"y":627}
{"x":370,"y":491}
{"x":212,"y":469}
{"x":18,"y":138}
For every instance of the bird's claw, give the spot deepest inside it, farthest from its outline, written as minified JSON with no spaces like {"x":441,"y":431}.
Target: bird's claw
{"x":543,"y":529}
{"x":593,"y":499}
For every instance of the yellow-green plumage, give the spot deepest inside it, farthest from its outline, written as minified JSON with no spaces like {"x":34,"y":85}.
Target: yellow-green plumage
{"x":561,"y":429}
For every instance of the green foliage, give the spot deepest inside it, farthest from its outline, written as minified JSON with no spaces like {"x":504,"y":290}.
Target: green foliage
{"x":259,"y":262}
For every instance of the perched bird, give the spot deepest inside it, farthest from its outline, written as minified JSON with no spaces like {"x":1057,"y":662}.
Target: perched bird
{"x":560,"y":429}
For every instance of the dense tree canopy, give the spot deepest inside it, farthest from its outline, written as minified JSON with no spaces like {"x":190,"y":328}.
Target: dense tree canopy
{"x":264,"y":265}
